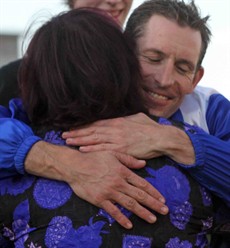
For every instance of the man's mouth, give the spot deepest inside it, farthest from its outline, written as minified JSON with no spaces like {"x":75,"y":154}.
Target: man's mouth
{"x":157,"y":96}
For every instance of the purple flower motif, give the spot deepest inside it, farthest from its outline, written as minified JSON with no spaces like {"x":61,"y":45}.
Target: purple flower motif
{"x":201,"y":240}
{"x":85,"y":236}
{"x":206,"y":196}
{"x":60,"y":233}
{"x":19,"y":243}
{"x":21,"y":212}
{"x":176,"y":243}
{"x":174,"y":186}
{"x":58,"y":228}
{"x":51,"y":194}
{"x":207,"y":224}
{"x":164,"y":121}
{"x":20,"y":225}
{"x":8,"y":233}
{"x":180,"y":215}
{"x":16,"y":185}
{"x":54,"y":138}
{"x":172,"y":183}
{"x":124,"y":211}
{"x":130,"y":241}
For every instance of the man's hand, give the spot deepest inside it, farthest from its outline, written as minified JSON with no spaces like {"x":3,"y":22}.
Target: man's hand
{"x":101,"y":178}
{"x":136,"y":135}
{"x":130,"y":135}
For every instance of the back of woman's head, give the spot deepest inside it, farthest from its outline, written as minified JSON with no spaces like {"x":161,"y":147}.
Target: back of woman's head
{"x":79,"y":68}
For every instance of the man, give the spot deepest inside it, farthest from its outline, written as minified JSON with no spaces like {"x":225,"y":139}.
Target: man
{"x":175,"y":70}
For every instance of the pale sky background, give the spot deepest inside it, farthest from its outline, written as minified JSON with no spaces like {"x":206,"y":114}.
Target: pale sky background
{"x":17,"y":15}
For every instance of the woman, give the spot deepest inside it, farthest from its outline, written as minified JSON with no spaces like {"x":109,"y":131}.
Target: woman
{"x":79,"y":68}
{"x":118,"y":9}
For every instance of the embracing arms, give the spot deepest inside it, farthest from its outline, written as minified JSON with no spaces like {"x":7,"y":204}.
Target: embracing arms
{"x":205,"y":156}
{"x":101,"y":178}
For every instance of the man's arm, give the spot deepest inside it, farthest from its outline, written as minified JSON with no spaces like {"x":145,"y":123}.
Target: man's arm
{"x":205,"y":156}
{"x":213,"y":150}
{"x":136,"y":135}
{"x":99,"y":178}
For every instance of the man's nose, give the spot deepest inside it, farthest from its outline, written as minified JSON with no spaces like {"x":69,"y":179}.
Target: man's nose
{"x":166,"y":75}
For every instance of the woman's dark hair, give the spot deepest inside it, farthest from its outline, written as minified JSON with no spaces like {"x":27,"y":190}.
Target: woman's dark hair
{"x":79,"y":68}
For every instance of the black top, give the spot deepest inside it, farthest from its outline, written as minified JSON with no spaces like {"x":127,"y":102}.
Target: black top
{"x":9,"y":82}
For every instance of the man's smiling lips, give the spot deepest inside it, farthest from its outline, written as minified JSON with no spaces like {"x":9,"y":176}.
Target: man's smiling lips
{"x":157,"y":100}
{"x":157,"y":96}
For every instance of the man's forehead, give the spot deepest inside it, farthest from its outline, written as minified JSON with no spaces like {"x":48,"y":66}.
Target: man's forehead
{"x":162,"y":35}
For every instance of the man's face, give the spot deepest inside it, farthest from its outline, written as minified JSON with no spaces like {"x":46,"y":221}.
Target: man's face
{"x":119,"y":9}
{"x":168,"y":55}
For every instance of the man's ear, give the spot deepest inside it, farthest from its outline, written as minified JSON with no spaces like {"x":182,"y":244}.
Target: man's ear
{"x":199,"y":74}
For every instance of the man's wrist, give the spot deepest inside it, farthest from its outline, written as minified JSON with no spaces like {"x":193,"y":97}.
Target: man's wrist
{"x":22,"y":152}
{"x":176,"y":144}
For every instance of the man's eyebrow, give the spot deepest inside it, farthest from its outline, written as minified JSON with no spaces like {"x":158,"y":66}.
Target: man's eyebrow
{"x":153,"y":50}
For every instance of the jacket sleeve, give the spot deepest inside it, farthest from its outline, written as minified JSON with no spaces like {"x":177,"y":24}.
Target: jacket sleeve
{"x":212,"y":166}
{"x":16,"y":139}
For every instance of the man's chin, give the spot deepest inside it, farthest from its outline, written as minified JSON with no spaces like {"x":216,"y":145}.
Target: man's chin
{"x":160,"y":113}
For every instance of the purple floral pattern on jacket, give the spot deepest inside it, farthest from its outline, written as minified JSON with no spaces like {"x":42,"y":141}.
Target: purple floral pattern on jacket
{"x":131,"y":241}
{"x":16,"y":185}
{"x":206,"y":196}
{"x":174,"y":186}
{"x":20,"y":227}
{"x":61,"y":233}
{"x":176,"y":243}
{"x":54,"y":138}
{"x":51,"y":194}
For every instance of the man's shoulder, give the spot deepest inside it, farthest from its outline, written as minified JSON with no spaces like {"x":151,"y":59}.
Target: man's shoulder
{"x":203,"y":92}
{"x":200,"y":97}
{"x":195,"y":105}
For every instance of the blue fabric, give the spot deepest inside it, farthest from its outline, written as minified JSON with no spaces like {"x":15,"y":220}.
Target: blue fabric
{"x":212,"y":150}
{"x":16,"y":139}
